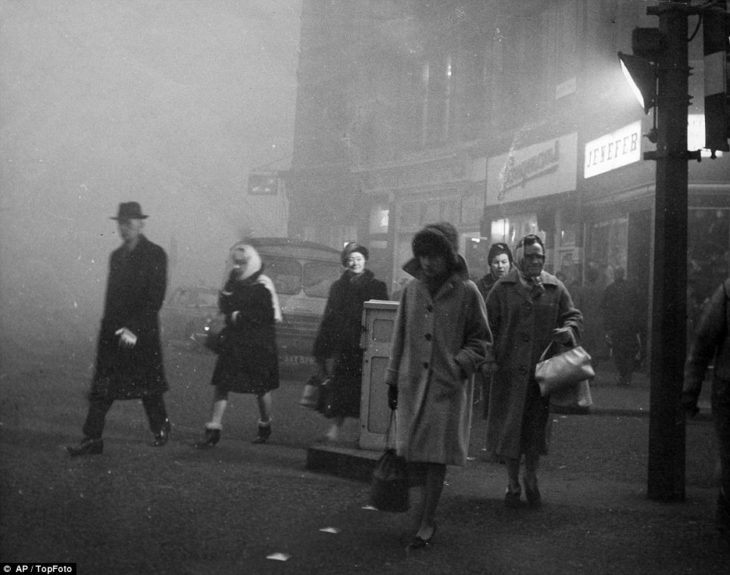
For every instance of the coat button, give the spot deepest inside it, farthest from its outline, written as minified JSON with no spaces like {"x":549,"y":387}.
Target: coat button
{"x":425,"y":365}
{"x":428,"y":337}
{"x":429,"y":308}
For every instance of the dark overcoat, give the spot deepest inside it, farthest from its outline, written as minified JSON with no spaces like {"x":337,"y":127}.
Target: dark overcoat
{"x":439,"y":341}
{"x":339,"y":338}
{"x":135,"y":291}
{"x":248,"y":361}
{"x":522,"y":323}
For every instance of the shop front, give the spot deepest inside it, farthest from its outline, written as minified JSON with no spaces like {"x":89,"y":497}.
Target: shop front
{"x":532,"y":190}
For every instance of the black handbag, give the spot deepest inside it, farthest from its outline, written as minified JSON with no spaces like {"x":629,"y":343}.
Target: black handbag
{"x":215,"y":341}
{"x":389,"y":485}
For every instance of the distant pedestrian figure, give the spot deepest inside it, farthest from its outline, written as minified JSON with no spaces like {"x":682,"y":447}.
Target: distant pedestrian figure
{"x":247,"y":359}
{"x":587,"y":298}
{"x":711,"y":345}
{"x":623,"y":324}
{"x":129,"y":355}
{"x":440,"y":339}
{"x":337,"y":350}
{"x":527,"y":310}
{"x":500,"y":263}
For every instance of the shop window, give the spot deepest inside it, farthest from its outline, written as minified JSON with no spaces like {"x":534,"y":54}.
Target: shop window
{"x":608,"y":247}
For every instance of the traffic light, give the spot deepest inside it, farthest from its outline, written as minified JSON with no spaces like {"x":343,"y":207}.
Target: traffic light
{"x":715,"y":31}
{"x":640,"y":67}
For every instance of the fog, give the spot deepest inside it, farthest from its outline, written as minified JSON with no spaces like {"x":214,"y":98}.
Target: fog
{"x":168,"y":103}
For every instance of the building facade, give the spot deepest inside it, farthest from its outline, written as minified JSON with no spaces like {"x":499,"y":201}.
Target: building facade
{"x":502,"y":117}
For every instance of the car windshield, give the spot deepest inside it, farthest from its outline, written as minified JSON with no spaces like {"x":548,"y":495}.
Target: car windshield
{"x":290,"y":276}
{"x":286,"y":275}
{"x":318,"y":277}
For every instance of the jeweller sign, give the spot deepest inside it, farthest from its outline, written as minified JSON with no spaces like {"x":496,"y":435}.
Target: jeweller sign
{"x":613,"y":150}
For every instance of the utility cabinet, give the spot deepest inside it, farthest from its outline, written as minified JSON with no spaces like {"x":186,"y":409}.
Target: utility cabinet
{"x":378,"y":319}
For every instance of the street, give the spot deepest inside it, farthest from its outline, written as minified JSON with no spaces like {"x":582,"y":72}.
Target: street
{"x":137,"y":509}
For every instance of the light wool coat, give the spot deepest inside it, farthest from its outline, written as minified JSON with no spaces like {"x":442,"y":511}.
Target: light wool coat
{"x":438,"y":344}
{"x":522,"y":326}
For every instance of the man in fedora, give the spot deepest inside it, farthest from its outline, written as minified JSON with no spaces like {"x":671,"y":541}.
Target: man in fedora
{"x":129,"y":354}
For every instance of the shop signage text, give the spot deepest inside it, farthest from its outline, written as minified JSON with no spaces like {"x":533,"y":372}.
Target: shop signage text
{"x":542,"y":169}
{"x":613,"y":150}
{"x":538,"y":164}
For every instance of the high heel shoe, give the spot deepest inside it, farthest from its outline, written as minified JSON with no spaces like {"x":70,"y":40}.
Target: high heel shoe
{"x":211,"y":437}
{"x":87,"y":446}
{"x":163,"y":435}
{"x":419,"y":542}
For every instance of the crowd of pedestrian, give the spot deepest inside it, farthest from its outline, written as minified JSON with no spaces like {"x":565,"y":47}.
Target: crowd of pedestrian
{"x":449,"y":333}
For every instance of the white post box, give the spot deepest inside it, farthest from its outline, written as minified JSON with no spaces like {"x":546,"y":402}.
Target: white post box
{"x":378,"y":322}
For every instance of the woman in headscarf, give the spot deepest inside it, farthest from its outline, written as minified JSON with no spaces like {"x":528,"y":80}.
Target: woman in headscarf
{"x":527,"y":310}
{"x":440,"y":338}
{"x":337,"y":350}
{"x":248,"y":359}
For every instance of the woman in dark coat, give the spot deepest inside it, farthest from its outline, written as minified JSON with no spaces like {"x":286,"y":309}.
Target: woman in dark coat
{"x":248,"y":359}
{"x":500,"y":263}
{"x":527,"y":310}
{"x":338,"y":340}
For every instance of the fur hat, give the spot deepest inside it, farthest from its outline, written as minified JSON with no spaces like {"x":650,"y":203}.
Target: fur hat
{"x":497,"y":249}
{"x":352,"y":247}
{"x":440,"y":238}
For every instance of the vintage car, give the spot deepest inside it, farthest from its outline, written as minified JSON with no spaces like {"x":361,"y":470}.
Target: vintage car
{"x":302,"y":273}
{"x":185,"y":315}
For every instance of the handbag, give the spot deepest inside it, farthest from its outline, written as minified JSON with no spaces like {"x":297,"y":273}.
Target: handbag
{"x":313,"y":391}
{"x":562,"y":370}
{"x":215,"y":341}
{"x":389,"y":484}
{"x":575,"y":398}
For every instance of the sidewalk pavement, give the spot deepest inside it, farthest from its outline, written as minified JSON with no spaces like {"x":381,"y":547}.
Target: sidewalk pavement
{"x":609,"y":398}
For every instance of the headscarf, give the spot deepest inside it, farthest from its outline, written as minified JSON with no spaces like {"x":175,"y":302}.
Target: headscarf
{"x":246,"y":259}
{"x":532,"y":282}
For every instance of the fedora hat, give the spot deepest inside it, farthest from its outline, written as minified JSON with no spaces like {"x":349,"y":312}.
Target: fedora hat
{"x":129,"y":211}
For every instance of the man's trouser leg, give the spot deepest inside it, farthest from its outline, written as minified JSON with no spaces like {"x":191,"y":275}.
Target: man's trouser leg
{"x":154,"y":407}
{"x":96,"y":416}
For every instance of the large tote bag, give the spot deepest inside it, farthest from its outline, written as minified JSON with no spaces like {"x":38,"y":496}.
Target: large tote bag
{"x":389,"y":485}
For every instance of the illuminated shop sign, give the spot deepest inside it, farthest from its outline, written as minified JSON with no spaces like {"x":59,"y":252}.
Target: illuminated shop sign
{"x":543,"y":169}
{"x":613,"y":150}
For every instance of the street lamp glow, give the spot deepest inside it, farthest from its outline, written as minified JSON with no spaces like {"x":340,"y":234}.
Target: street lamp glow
{"x":641,"y":77}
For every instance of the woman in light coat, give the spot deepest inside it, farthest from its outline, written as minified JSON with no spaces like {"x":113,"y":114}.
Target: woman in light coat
{"x":440,"y":339}
{"x":527,"y":310}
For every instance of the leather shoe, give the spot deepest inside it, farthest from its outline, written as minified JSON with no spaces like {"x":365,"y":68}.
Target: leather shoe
{"x":419,"y":542}
{"x":211,"y":437}
{"x":162,"y":436}
{"x":87,"y":446}
{"x":264,"y":432}
{"x":512,"y":498}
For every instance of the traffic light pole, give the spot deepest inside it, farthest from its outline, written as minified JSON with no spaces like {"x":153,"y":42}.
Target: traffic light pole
{"x":666,"y":474}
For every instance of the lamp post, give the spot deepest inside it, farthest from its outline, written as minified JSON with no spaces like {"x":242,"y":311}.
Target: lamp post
{"x":665,"y":87}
